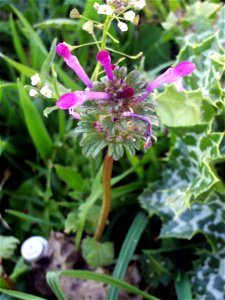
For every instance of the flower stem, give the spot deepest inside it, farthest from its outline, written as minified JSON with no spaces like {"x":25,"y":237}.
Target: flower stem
{"x":102,"y":46}
{"x":106,"y":191}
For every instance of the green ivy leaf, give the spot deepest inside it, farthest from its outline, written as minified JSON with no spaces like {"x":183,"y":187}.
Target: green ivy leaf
{"x":179,"y":109}
{"x":8,"y":245}
{"x":97,"y":254}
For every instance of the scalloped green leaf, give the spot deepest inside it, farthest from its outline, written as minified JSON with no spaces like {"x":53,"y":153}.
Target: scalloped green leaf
{"x":179,"y":109}
{"x":97,"y":254}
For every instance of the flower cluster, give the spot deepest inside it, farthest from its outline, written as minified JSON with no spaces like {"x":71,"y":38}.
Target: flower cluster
{"x":118,"y":111}
{"x":45,"y":90}
{"x":121,"y":10}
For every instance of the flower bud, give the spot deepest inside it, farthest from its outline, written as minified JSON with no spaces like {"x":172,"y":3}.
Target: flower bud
{"x":74,"y":14}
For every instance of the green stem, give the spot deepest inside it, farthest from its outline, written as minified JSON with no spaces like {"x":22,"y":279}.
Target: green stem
{"x":106,"y":191}
{"x":48,"y":190}
{"x":102,"y":47}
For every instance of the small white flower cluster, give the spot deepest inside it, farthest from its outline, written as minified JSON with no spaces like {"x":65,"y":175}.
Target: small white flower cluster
{"x":45,"y":90}
{"x":118,"y":7}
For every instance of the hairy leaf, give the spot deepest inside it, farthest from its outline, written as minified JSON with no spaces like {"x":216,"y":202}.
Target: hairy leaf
{"x":97,"y":254}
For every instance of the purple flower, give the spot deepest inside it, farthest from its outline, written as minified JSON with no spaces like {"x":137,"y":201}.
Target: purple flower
{"x":117,"y":99}
{"x":73,"y":100}
{"x":73,"y":63}
{"x":173,"y":75}
{"x":104,"y":58}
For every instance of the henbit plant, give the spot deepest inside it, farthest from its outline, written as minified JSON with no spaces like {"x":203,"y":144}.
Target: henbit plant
{"x":119,"y":115}
{"x":191,"y":178}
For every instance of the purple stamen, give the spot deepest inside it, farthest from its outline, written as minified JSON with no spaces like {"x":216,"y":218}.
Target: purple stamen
{"x":73,"y":63}
{"x":104,"y":58}
{"x":147,"y":120}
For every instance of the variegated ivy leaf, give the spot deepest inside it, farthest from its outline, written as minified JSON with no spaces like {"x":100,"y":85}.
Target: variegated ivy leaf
{"x":208,"y":276}
{"x":208,"y":71}
{"x":189,"y":173}
{"x":195,"y":153}
{"x":208,"y":219}
{"x":171,"y":187}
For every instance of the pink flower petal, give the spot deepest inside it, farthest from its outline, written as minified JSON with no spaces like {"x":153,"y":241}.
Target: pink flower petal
{"x":73,"y":63}
{"x":69,"y":100}
{"x":173,"y":75}
{"x":184,"y":68}
{"x":63,"y":50}
{"x":104,"y":58}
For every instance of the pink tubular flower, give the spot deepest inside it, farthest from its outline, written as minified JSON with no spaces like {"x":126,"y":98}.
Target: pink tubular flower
{"x":73,"y":100}
{"x":73,"y":63}
{"x":104,"y":58}
{"x":173,"y":75}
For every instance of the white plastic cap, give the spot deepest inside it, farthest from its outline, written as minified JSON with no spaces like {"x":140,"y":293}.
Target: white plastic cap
{"x":34,"y":248}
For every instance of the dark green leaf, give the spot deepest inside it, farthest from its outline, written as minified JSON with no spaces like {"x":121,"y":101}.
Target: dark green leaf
{"x":35,"y":125}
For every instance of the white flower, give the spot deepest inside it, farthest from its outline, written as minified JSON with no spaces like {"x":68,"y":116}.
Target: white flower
{"x":129,"y":15}
{"x":35,"y":79}
{"x":122,"y":26}
{"x":96,"y":5}
{"x":88,"y":26}
{"x":139,"y":4}
{"x":105,"y":9}
{"x":33,"y":93}
{"x":46,"y":91}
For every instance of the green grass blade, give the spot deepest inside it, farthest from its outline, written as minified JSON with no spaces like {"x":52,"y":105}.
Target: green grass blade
{"x":28,"y":218}
{"x":17,"y":43}
{"x":60,"y":23}
{"x":183,"y":287}
{"x":87,"y":275}
{"x":35,"y":125}
{"x":30,"y":31}
{"x":20,"y":295}
{"x":19,"y":67}
{"x":49,"y":60}
{"x":127,"y":251}
{"x":94,"y":196}
{"x":54,"y":283}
